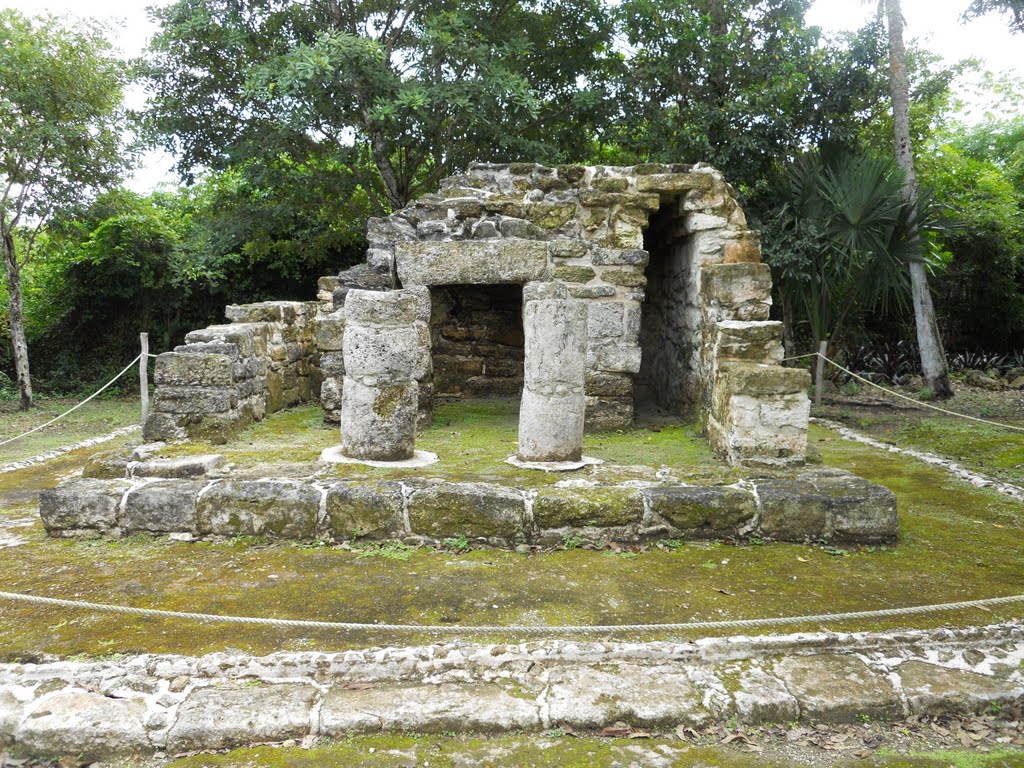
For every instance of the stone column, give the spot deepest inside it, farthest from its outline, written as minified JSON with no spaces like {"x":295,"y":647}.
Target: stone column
{"x":383,"y":352}
{"x":551,"y":414}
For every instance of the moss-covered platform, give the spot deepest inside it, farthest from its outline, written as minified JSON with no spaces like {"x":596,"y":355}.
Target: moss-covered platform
{"x":273,"y":488}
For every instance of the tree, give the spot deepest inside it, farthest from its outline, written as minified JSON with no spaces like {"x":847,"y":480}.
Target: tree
{"x":393,"y":95}
{"x":60,"y":138}
{"x":1013,"y":7}
{"x":933,"y":359}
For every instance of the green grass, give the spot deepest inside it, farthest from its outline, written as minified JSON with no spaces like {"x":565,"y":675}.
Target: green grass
{"x":957,"y":542}
{"x":95,"y":418}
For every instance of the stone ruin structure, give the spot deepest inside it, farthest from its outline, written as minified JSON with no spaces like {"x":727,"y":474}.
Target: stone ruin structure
{"x":676,"y":302}
{"x":588,"y":292}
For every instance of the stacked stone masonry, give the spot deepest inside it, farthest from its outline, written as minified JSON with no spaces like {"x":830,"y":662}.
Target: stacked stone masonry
{"x":661,"y":255}
{"x":172,"y":704}
{"x":225,"y":377}
{"x":677,"y":308}
{"x":201,"y":498}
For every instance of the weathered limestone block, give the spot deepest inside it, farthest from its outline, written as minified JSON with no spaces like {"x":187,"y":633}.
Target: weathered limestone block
{"x":607,"y":413}
{"x":859,"y":511}
{"x":492,"y":261}
{"x":88,"y":725}
{"x":378,"y":422}
{"x":612,"y":356}
{"x":360,"y":510}
{"x":762,"y":698}
{"x":440,"y":708}
{"x":183,"y":370}
{"x":736,"y":291}
{"x":583,"y":507}
{"x":386,"y":350}
{"x":935,"y":690}
{"x":754,"y":342}
{"x":551,"y":415}
{"x":82,"y":505}
{"x":266,"y":312}
{"x":162,"y":506}
{"x":284,"y":509}
{"x":759,"y":413}
{"x":791,"y":510}
{"x":640,"y":695}
{"x":472,"y":509}
{"x":708,"y":511}
{"x":330,"y":331}
{"x":838,"y":688}
{"x":216,"y":717}
{"x":672,"y":184}
{"x":195,"y":400}
{"x":249,"y":338}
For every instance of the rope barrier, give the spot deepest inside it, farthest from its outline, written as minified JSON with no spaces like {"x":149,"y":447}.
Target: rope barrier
{"x":904,"y":397}
{"x":516,"y":629}
{"x":75,"y":408}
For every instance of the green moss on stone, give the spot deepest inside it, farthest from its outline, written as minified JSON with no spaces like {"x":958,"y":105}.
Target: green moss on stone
{"x":573,"y":274}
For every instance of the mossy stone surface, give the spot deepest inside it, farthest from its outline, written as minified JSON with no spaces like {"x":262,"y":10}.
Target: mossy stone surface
{"x":712,"y":510}
{"x":578,"y":507}
{"x":472,"y":509}
{"x":280,"y":508}
{"x":571,"y":274}
{"x":358,"y":510}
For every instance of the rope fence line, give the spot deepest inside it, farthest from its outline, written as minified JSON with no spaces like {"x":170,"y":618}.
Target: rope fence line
{"x":904,"y":397}
{"x":454,"y":630}
{"x":74,"y":408}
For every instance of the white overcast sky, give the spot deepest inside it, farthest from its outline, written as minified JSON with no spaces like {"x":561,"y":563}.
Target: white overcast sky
{"x":935,"y":22}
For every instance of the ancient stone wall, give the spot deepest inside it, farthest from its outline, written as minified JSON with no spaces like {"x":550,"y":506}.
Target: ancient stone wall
{"x":638,"y":245}
{"x":225,"y":377}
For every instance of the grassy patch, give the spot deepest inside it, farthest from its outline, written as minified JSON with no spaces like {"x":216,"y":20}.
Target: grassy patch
{"x":957,"y":542}
{"x":95,"y":418}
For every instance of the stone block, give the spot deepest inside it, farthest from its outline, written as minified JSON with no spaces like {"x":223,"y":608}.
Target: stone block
{"x":673,"y":183}
{"x":330,"y":331}
{"x":936,"y":691}
{"x":551,"y":425}
{"x":362,"y":510}
{"x":161,"y":506}
{"x":221,"y":718}
{"x":250,"y":338}
{"x":573,"y":274}
{"x":581,"y":507}
{"x":744,"y":249}
{"x":549,"y":215}
{"x":608,"y":413}
{"x":544,"y":290}
{"x":605,"y":384}
{"x":519,"y":228}
{"x":265,"y":312}
{"x":643,"y":696}
{"x":471,"y":262}
{"x":11,"y":712}
{"x":791,"y":510}
{"x":859,"y":511}
{"x":605,"y":319}
{"x":283,"y":509}
{"x":439,"y":708}
{"x":838,"y":689}
{"x":108,"y":465}
{"x":194,"y":400}
{"x":611,"y":184}
{"x":179,"y":468}
{"x":618,"y":257}
{"x":605,"y":355}
{"x":566,"y":248}
{"x":736,"y":291}
{"x":591,"y":291}
{"x":757,"y":381}
{"x":711,"y":511}
{"x":761,"y":698}
{"x":470,"y":509}
{"x":332,"y":365}
{"x":754,"y":342}
{"x":391,"y":354}
{"x":87,"y":725}
{"x":378,"y":423}
{"x":184,"y":370}
{"x":82,"y":505}
{"x":382,"y":308}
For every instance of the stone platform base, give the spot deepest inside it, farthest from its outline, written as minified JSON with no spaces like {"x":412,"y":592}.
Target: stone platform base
{"x":815,"y":505}
{"x":149,"y":703}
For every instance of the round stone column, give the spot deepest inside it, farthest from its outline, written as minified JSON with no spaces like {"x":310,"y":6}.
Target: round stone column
{"x":552,"y":409}
{"x":383,"y":351}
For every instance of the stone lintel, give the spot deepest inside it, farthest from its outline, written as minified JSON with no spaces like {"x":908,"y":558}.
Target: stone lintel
{"x":471,"y":262}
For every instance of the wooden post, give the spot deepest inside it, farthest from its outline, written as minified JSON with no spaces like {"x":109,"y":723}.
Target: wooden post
{"x":144,"y":376}
{"x":819,"y":379}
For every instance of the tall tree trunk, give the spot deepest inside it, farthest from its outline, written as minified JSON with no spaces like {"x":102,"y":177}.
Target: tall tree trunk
{"x":933,"y":358}
{"x":16,"y":316}
{"x":717,"y":76}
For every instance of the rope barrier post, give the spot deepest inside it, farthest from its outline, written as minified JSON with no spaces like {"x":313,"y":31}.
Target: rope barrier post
{"x":144,"y":376}
{"x":819,"y":378}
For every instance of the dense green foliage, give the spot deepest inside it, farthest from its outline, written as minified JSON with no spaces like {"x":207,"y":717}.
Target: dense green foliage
{"x":295,"y":122}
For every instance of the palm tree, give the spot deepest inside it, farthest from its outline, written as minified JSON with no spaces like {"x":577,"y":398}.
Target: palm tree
{"x":933,"y":358}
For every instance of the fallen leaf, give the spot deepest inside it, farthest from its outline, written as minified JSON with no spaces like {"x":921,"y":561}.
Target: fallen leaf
{"x":724,"y":591}
{"x":803,"y":560}
{"x":615,"y":731}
